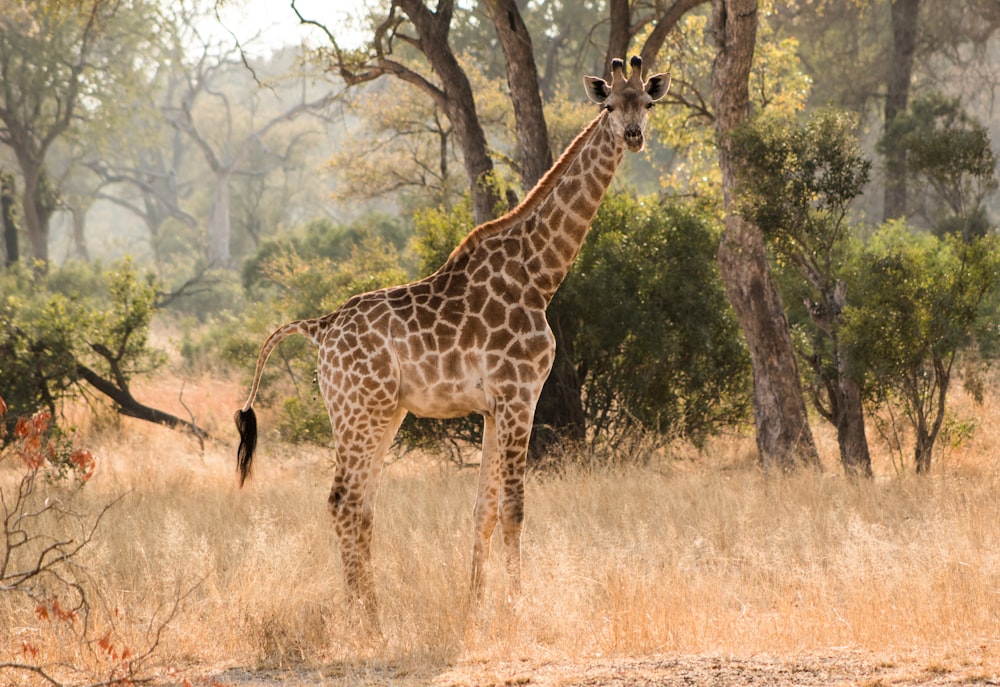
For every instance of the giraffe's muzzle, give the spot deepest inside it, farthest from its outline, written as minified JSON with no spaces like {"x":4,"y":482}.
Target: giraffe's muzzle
{"x":633,"y":138}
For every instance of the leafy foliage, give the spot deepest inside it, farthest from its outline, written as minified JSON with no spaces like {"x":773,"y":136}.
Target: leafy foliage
{"x":321,"y":238}
{"x":920,"y":300}
{"x":779,"y":85}
{"x":70,"y":632}
{"x":653,"y":336}
{"x":44,"y":449}
{"x":78,"y":317}
{"x":891,"y":314}
{"x":948,"y":154}
{"x":438,"y":231}
{"x":798,"y":183}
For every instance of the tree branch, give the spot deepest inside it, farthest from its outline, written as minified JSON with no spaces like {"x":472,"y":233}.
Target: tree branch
{"x":128,"y":406}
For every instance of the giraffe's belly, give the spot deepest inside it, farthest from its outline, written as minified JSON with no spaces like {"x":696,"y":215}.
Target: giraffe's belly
{"x":444,"y":399}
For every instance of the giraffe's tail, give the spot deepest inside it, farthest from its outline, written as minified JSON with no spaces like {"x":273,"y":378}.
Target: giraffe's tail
{"x":246,"y":419}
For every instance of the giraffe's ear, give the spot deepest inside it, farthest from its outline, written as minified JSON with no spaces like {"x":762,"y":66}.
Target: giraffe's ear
{"x":657,"y":86}
{"x":597,"y":89}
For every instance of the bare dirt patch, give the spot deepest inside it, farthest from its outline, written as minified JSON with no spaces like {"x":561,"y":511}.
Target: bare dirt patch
{"x":834,"y":668}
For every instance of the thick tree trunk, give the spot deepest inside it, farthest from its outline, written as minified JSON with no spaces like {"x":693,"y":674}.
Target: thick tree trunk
{"x":486,"y":199}
{"x":525,"y":95}
{"x":457,"y":100}
{"x":623,"y":30}
{"x":7,"y":199}
{"x":559,"y":415}
{"x":79,"y":218}
{"x":904,"y":45}
{"x":845,"y":409}
{"x":619,"y":33}
{"x":784,"y":438}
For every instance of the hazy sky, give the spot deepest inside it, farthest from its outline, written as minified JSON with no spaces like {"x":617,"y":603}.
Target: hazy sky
{"x":262,"y":25}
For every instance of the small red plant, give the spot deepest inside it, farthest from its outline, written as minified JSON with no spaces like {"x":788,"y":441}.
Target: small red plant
{"x":42,"y":446}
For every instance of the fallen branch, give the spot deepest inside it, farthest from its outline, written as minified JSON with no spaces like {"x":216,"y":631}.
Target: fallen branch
{"x":127,"y":404}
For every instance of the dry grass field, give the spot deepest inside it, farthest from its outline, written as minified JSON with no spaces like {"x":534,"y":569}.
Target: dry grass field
{"x":695,"y":569}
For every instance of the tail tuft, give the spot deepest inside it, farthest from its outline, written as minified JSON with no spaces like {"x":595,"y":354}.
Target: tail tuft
{"x":246,"y":423}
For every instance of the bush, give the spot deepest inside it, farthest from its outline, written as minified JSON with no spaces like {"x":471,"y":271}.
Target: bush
{"x":920,"y":302}
{"x":79,"y":320}
{"x":653,"y":336}
{"x":65,"y":629}
{"x":323,"y":238}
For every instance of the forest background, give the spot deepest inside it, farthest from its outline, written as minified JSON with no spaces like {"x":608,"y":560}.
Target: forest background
{"x":161,"y":138}
{"x":175,"y":185}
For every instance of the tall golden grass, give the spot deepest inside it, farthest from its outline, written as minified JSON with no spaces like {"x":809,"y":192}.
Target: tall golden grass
{"x":697,"y":552}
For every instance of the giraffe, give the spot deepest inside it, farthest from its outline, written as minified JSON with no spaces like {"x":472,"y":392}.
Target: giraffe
{"x":472,"y":338}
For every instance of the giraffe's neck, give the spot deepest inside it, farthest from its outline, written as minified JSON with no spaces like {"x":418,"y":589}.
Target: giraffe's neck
{"x":545,"y":232}
{"x":554,"y":233}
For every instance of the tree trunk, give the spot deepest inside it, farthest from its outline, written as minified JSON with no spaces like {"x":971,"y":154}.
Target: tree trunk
{"x":219,"y":227}
{"x":458,"y":103}
{"x":7,"y":198}
{"x":559,"y":415}
{"x":923,"y":451}
{"x":784,"y":438}
{"x":486,"y":198}
{"x":79,"y":218}
{"x":619,"y":33}
{"x":665,"y":22}
{"x":522,"y":80}
{"x":845,"y":409}
{"x":851,"y":438}
{"x":904,"y":45}
{"x":922,"y":408}
{"x":36,"y":218}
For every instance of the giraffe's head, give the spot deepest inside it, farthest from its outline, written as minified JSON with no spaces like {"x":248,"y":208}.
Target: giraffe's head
{"x":628,"y":100}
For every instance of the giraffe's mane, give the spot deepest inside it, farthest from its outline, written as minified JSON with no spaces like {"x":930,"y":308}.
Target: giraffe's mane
{"x":542,"y":189}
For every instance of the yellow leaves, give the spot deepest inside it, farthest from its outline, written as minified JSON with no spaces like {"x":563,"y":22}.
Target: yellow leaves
{"x":31,"y":17}
{"x":397,"y":141}
{"x":777,"y":80}
{"x":685,"y":122}
{"x":15,"y":15}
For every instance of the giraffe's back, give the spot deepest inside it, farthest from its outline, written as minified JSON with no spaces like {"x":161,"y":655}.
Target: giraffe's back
{"x":452,"y":344}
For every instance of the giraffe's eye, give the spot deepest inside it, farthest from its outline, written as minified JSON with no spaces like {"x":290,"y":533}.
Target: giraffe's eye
{"x":609,"y":108}
{"x":649,"y":105}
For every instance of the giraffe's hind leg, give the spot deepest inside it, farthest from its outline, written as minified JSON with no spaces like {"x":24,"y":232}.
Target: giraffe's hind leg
{"x":352,"y":500}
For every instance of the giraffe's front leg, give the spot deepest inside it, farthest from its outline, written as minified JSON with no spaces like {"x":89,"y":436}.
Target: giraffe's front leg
{"x":512,"y":439}
{"x":486,"y":510}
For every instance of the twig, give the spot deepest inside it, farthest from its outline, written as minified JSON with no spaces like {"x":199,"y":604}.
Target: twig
{"x":194,"y":422}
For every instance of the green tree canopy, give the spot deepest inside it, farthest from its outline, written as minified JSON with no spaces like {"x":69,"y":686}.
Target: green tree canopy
{"x":919,"y":301}
{"x":797,"y":185}
{"x":83,"y":329}
{"x":949,"y":156}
